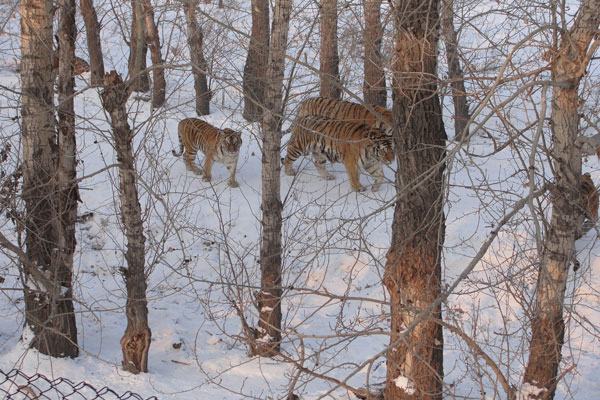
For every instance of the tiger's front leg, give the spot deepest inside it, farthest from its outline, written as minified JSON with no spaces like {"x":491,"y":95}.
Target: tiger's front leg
{"x":375,"y":169}
{"x":208,"y":162}
{"x":231,"y":167}
{"x":353,"y":175}
{"x":320,"y":160}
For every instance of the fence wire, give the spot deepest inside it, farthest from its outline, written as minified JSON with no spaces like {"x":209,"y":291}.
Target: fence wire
{"x":16,"y":385}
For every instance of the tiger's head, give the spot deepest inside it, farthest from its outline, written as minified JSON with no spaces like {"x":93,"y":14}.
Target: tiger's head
{"x":232,"y":141}
{"x":383,"y":145}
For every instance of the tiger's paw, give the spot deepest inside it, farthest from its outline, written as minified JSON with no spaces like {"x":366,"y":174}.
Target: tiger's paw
{"x":375,"y":188}
{"x":206,"y":178}
{"x":361,"y":188}
{"x":329,"y":177}
{"x":233,"y":184}
{"x":290,"y":171}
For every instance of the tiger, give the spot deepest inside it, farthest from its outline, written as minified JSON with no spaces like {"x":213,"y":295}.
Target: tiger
{"x":346,"y":111}
{"x":218,"y":145}
{"x":355,"y":145}
{"x":80,"y":66}
{"x":588,"y":202}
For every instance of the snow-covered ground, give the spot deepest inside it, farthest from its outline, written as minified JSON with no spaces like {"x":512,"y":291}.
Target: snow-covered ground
{"x":203,"y":239}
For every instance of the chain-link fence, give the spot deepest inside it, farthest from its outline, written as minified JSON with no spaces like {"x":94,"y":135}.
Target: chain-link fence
{"x":16,"y":385}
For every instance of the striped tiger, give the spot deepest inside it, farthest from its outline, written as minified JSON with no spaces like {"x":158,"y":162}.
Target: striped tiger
{"x":80,"y":66}
{"x":346,"y":111}
{"x":588,"y":198}
{"x":217,"y":145}
{"x":355,"y":145}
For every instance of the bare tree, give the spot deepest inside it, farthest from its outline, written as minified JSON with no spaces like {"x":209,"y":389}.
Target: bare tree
{"x":455,"y":73}
{"x":158,"y":72}
{"x":92,"y":30}
{"x":329,"y":59}
{"x":413,"y":268}
{"x":256,"y":62}
{"x":269,"y":299}
{"x":49,"y":191}
{"x":199,"y":67}
{"x":569,"y":64}
{"x":374,"y":90}
{"x":138,"y":49}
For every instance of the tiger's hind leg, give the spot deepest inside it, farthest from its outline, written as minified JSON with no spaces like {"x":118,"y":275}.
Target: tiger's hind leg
{"x":320,"y":160}
{"x":189,"y":158}
{"x":375,"y":169}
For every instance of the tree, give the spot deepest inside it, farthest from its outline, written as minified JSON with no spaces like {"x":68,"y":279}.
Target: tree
{"x":413,"y":269}
{"x":256,"y":62}
{"x":455,"y":74}
{"x":49,"y":191}
{"x":138,"y":50}
{"x":269,"y":299}
{"x":92,"y":30}
{"x":158,"y":72}
{"x":329,"y":59}
{"x":568,"y":65}
{"x":199,"y":66}
{"x":374,"y":91}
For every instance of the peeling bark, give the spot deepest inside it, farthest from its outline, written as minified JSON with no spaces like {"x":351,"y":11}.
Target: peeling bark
{"x":199,"y":67}
{"x":329,"y":72}
{"x":92,"y":30}
{"x":374,"y":88}
{"x":256,"y":63}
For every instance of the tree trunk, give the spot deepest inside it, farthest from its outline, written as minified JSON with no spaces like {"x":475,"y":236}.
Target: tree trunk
{"x":136,"y":340}
{"x":374,"y":91}
{"x":256,"y":63}
{"x":199,"y":66}
{"x":269,"y":299}
{"x":548,"y":326}
{"x":329,"y":58}
{"x":139,"y":80}
{"x":48,"y":190}
{"x":413,"y":268}
{"x":455,"y":74}
{"x":92,"y":30}
{"x":158,"y":72}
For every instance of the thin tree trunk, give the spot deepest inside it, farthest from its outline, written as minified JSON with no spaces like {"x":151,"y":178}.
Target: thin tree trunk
{"x":158,"y":72}
{"x":329,"y":58}
{"x":548,"y":326}
{"x":136,"y":340}
{"x":374,"y":81}
{"x":49,"y":193}
{"x":92,"y":30}
{"x":199,"y":66}
{"x":269,"y":300}
{"x":139,"y":80}
{"x":256,"y":63}
{"x":413,"y":268}
{"x":455,"y":74}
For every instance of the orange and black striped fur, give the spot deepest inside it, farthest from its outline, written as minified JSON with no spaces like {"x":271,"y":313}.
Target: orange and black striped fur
{"x":588,"y":198}
{"x":79,"y":64}
{"x":354,"y":145}
{"x":218,"y":145}
{"x":342,"y":110}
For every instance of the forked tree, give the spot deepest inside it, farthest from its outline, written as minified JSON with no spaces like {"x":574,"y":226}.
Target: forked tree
{"x":568,"y":65}
{"x":158,"y":72}
{"x":268,"y":332}
{"x":49,"y":190}
{"x":374,"y":89}
{"x":256,"y":62}
{"x":195,"y":40}
{"x":329,"y":72}
{"x":138,"y":50}
{"x":413,"y":268}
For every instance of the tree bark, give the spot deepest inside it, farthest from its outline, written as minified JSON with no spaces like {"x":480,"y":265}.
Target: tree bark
{"x":136,"y":340}
{"x":455,"y":73}
{"x":158,"y":72}
{"x":139,"y":80}
{"x":199,"y":66}
{"x":548,"y":326}
{"x":374,"y":90}
{"x":413,"y":269}
{"x":329,"y":59}
{"x":256,"y":63}
{"x":48,"y":189}
{"x":92,"y":30}
{"x":269,"y":300}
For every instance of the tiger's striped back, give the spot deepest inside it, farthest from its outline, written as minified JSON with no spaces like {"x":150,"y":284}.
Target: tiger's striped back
{"x":355,"y":145}
{"x":218,"y":145}
{"x":588,"y":199}
{"x":346,"y":111}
